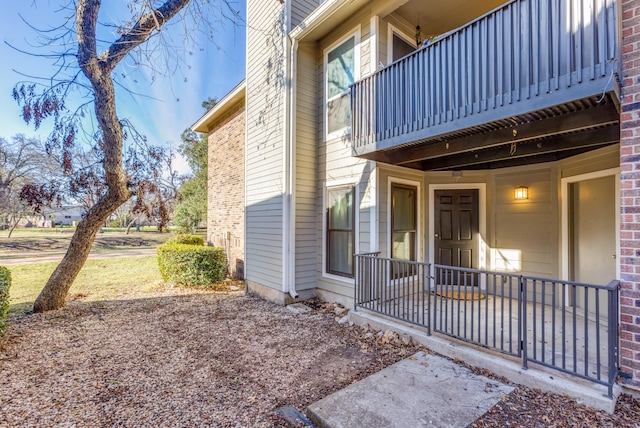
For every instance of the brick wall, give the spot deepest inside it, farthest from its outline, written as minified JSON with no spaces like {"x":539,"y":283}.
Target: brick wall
{"x":225,"y":218}
{"x":630,"y":194}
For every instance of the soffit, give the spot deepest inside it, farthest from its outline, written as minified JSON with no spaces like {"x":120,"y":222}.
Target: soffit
{"x":433,"y":16}
{"x":440,"y":16}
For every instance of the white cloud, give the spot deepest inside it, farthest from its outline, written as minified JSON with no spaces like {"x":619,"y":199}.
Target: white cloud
{"x":180,"y":164}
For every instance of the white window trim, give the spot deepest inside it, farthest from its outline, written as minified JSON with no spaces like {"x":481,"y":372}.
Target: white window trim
{"x":416,"y":184}
{"x":391,"y":30}
{"x":356,"y":60}
{"x":356,"y":225}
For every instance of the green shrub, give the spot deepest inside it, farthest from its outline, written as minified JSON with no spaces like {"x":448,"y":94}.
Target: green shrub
{"x":5,"y":284}
{"x":192,"y":265}
{"x":186,"y":239}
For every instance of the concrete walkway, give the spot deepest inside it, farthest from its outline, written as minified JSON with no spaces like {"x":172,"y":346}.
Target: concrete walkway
{"x":420,"y":391}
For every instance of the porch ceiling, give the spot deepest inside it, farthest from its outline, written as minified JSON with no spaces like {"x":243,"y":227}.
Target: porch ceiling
{"x":440,"y":16}
{"x":540,"y":136}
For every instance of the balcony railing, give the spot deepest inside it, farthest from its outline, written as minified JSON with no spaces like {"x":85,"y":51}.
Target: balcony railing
{"x":567,"y":326}
{"x":523,"y":56}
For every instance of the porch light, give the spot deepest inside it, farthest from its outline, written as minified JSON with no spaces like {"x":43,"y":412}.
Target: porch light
{"x":521,"y":192}
{"x":418,"y":36}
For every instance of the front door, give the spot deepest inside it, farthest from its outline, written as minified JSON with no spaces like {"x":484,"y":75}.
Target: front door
{"x":592,"y":238}
{"x":456,"y":228}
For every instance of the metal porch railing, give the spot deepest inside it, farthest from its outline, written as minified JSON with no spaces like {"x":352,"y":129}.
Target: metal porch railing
{"x":567,"y":326}
{"x":523,"y":56}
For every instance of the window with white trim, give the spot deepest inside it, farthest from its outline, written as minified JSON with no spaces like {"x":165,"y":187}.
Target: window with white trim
{"x":341,"y":72}
{"x":404,"y":224}
{"x":340,"y":229}
{"x":398,"y":44}
{"x":400,"y":47}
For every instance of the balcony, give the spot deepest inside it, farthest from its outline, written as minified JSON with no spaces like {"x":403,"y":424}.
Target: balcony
{"x":531,"y":81}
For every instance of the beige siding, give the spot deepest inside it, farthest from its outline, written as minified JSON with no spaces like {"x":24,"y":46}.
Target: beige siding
{"x":383,"y":43}
{"x":264,"y":151}
{"x":334,"y":161}
{"x":597,"y":160}
{"x":306,"y":168}
{"x":526,"y":232}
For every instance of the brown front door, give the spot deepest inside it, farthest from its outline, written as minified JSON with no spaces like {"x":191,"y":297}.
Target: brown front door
{"x":456,"y":228}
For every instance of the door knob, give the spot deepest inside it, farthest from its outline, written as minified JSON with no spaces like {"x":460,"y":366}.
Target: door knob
{"x":613,"y":256}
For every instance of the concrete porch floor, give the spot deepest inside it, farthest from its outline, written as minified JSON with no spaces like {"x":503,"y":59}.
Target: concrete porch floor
{"x":509,"y":366}
{"x":493,"y":322}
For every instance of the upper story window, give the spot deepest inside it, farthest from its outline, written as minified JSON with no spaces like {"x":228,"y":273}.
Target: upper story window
{"x":341,"y":71}
{"x":398,"y":44}
{"x":400,"y":47}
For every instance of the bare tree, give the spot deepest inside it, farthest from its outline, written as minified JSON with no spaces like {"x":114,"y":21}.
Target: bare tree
{"x":22,"y":163}
{"x":122,"y":171}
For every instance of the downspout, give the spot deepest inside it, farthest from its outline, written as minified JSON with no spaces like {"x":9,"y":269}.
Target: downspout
{"x":288,"y":225}
{"x":293,"y":44}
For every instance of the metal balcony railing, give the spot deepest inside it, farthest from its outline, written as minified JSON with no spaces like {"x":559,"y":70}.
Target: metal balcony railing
{"x":567,"y":326}
{"x":525,"y":55}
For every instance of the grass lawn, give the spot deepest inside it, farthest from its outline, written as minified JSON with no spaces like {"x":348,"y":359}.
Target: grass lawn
{"x":107,"y":279}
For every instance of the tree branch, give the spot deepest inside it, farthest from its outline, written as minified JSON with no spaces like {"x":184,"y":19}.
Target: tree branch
{"x":140,"y":32}
{"x":86,"y":21}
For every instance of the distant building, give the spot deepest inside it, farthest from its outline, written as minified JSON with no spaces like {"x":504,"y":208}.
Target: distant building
{"x":67,"y":215}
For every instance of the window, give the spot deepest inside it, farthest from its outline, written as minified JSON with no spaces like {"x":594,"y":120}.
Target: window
{"x":398,"y":44}
{"x":341,"y":73}
{"x":340,"y":230}
{"x":401,"y":47}
{"x":403,"y":222}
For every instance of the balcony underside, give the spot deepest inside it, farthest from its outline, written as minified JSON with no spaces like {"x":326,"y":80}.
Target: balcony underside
{"x":544,"y":135}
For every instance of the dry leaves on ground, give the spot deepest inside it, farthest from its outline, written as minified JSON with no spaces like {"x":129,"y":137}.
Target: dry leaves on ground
{"x":194,"y":358}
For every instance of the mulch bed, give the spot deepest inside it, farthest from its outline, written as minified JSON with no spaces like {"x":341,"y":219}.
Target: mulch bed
{"x":194,"y":358}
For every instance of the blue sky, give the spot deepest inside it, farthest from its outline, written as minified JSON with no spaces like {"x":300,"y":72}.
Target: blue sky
{"x":167,"y":105}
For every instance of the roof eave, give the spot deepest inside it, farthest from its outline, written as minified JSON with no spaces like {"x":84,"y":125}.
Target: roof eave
{"x":232,"y":98}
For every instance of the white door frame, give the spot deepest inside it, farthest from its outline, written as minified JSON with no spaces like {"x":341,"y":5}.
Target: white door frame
{"x":564,"y":195}
{"x":482,"y":218}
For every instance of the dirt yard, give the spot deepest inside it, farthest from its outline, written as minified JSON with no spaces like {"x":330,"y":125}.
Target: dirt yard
{"x":191,"y":358}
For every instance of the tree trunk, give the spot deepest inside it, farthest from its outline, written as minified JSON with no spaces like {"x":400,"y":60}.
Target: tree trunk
{"x":55,"y":290}
{"x":14,"y":226}
{"x":126,"y":232}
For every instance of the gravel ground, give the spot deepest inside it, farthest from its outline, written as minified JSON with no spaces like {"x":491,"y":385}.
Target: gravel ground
{"x":193,"y":358}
